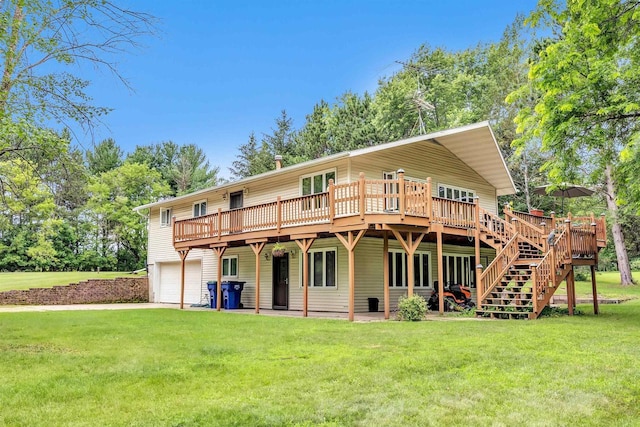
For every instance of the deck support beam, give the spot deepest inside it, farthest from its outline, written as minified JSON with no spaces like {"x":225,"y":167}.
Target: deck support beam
{"x":440,"y":270}
{"x":219,"y":251}
{"x":410,"y":246}
{"x":183,"y":255}
{"x":304,"y":245}
{"x":350,"y":242}
{"x":385,"y":273}
{"x":594,"y":290}
{"x":257,"y":250}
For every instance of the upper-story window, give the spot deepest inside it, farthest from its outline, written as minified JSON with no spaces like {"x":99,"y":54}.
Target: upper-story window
{"x":316,"y":183}
{"x":455,"y":193}
{"x":200,"y":208}
{"x":165,"y":217}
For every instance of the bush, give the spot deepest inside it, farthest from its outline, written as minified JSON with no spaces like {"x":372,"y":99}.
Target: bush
{"x":412,"y":308}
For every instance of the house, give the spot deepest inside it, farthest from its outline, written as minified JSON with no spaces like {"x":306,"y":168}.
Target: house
{"x":366,"y":221}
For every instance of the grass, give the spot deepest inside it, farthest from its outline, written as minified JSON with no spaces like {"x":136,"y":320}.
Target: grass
{"x":608,"y":284}
{"x":11,"y":281}
{"x":172,"y":368}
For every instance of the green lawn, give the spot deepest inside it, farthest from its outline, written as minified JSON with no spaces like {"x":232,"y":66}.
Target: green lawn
{"x":608,"y":284}
{"x":11,"y":281}
{"x":167,"y":367}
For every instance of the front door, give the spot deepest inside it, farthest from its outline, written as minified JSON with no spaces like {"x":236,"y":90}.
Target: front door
{"x":235,"y":216}
{"x":281,"y":282}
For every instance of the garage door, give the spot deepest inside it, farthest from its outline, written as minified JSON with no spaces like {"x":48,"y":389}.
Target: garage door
{"x":170,"y":282}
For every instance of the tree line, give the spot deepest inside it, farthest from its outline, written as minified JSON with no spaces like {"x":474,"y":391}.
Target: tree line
{"x":75,"y":211}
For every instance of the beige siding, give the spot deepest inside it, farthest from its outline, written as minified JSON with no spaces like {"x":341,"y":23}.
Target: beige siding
{"x":426,"y":160}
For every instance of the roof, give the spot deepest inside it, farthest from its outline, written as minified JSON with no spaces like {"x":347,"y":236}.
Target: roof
{"x":473,"y":144}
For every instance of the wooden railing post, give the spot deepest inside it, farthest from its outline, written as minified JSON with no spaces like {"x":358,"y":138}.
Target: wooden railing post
{"x":219,"y":223}
{"x":402,"y":202}
{"x":567,"y":224}
{"x":361,"y":195}
{"x":514,"y":224}
{"x":554,"y":266}
{"x":278,"y":213}
{"x":332,"y":201}
{"x":604,"y":226}
{"x":545,"y":242}
{"x":534,"y":286}
{"x":173,"y":227}
{"x":594,"y":240}
{"x":479,"y":286}
{"x":553,"y":220}
{"x":429,"y":196}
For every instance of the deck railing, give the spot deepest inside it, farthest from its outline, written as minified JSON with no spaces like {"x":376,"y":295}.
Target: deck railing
{"x":363,"y":197}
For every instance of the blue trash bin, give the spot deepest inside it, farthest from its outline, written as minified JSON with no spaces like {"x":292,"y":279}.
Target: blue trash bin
{"x":233,"y":293}
{"x":213,"y":292}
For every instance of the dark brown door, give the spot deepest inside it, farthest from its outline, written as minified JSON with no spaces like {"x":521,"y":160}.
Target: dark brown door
{"x":281,"y":282}
{"x":235,"y":217}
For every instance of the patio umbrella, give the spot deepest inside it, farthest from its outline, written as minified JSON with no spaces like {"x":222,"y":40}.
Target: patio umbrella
{"x":563,"y":190}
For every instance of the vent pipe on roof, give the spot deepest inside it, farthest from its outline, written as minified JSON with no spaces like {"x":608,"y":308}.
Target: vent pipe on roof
{"x":278,"y":159}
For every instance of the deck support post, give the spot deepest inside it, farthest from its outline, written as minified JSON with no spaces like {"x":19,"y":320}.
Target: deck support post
{"x":410,"y":246}
{"x":350,"y":243}
{"x":440,"y":270}
{"x":385,"y":274}
{"x":219,"y":251}
{"x":257,"y":250}
{"x":571,"y":291}
{"x":479,"y":285}
{"x":304,"y":245}
{"x":183,"y":254}
{"x":596,"y":310}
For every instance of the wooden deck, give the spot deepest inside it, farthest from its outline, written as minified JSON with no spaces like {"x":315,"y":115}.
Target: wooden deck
{"x":406,"y":210}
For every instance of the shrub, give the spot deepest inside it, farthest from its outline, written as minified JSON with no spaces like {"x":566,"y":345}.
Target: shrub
{"x":412,"y":308}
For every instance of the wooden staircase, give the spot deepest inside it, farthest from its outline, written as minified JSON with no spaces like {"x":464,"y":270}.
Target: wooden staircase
{"x":529,"y":265}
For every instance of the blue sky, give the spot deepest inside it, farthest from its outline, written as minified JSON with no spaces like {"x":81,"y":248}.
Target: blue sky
{"x":221,"y":69}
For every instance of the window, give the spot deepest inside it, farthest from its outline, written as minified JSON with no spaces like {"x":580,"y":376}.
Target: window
{"x":200,"y":208}
{"x":165,"y":217}
{"x":398,"y":268}
{"x":316,"y":184}
{"x":459,"y":270}
{"x":230,"y":266}
{"x":455,"y":193}
{"x":322,"y":265}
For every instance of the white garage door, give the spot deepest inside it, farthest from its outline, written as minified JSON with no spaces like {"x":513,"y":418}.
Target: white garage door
{"x":169,"y":273}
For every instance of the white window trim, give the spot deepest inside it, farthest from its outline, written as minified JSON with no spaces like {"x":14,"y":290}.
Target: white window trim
{"x":405,"y":259}
{"x":324,"y":270}
{"x":454,"y":187}
{"x":323,"y":173}
{"x":200,"y":202}
{"x":229,"y":257}
{"x":469,"y":273}
{"x":168,"y":223}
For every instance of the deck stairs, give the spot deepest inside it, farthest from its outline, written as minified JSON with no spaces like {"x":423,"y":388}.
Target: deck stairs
{"x":519,"y":282}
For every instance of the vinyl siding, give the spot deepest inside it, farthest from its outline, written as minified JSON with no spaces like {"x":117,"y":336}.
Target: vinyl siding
{"x":427,"y":160}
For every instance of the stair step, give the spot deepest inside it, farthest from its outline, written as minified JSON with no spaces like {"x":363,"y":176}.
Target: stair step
{"x":504,"y":315}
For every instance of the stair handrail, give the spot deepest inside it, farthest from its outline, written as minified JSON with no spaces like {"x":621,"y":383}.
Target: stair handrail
{"x":532,"y":233}
{"x":499,"y":266}
{"x":495,"y":227}
{"x":544,"y":274}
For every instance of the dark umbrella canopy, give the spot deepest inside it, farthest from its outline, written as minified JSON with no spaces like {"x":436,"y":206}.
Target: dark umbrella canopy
{"x":563,"y":190}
